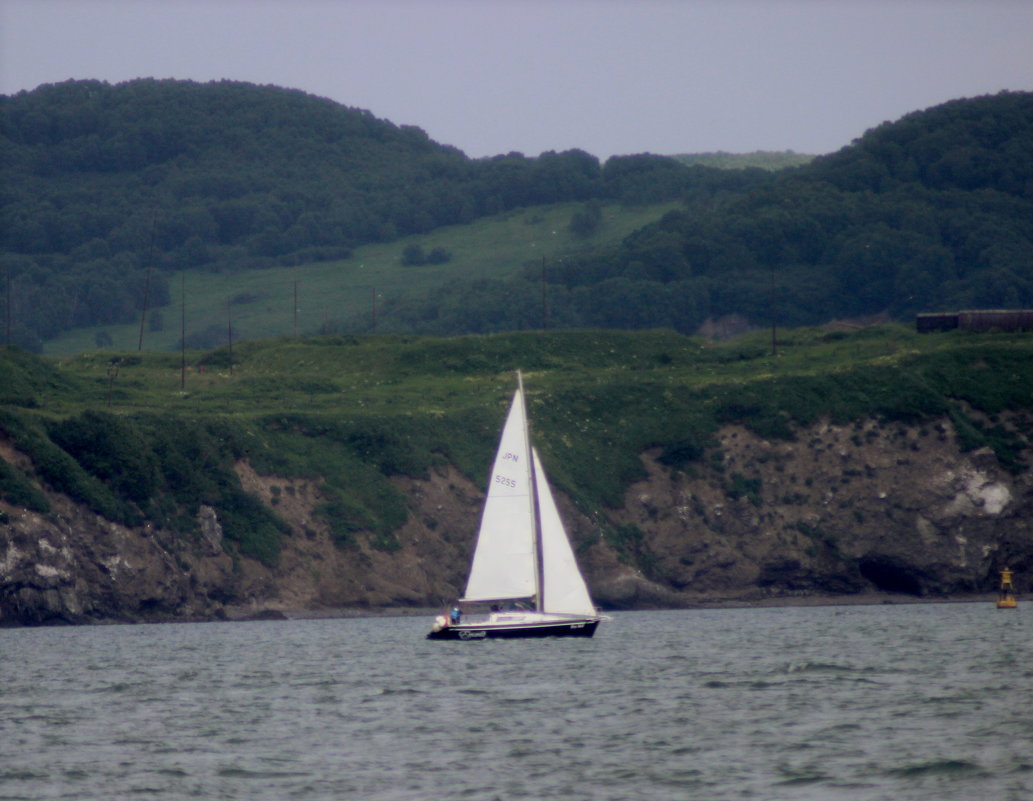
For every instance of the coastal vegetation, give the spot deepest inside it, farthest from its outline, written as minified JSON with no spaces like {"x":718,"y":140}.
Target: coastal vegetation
{"x":138,"y":436}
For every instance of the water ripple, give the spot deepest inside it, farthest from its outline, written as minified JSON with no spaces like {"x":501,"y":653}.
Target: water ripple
{"x":849,"y":704}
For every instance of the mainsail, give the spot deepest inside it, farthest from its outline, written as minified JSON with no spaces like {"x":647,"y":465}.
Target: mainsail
{"x":504,"y":561}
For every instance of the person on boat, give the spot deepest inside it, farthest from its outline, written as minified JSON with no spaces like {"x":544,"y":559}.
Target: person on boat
{"x":456,"y":615}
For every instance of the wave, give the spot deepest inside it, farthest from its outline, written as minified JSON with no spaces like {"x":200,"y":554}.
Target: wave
{"x":821,"y":667}
{"x":949,"y":767}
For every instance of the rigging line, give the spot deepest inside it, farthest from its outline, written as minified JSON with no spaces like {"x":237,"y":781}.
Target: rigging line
{"x":536,"y":519}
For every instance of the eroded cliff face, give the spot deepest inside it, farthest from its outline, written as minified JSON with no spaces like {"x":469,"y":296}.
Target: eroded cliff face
{"x":841,"y":510}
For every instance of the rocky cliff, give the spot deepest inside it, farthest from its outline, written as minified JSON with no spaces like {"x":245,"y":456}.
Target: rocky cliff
{"x":839,"y":511}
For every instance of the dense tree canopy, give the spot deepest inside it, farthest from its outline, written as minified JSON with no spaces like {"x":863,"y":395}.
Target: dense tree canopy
{"x":934,"y":211}
{"x":102,"y":181}
{"x":109,"y":187}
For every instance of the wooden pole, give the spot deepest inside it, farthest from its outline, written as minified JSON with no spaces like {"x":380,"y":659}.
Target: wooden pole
{"x":8,"y":329}
{"x":545,"y":308}
{"x":183,"y":333}
{"x":147,"y":282}
{"x":112,"y":375}
{"x":774,"y":341}
{"x":229,"y":330}
{"x":143,"y":313}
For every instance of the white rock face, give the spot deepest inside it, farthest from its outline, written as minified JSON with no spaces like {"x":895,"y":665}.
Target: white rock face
{"x":976,"y":493}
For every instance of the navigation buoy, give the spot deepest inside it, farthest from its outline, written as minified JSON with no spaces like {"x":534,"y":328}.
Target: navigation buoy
{"x":1006,"y":597}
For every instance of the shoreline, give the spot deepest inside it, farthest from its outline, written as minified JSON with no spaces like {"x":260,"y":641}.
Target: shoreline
{"x":863,"y":599}
{"x":240,"y":614}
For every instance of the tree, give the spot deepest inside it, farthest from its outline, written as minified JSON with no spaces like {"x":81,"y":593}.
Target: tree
{"x":413,"y":256}
{"x":585,"y":221}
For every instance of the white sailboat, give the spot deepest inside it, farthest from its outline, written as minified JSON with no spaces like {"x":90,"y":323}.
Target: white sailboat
{"x":524,"y":580}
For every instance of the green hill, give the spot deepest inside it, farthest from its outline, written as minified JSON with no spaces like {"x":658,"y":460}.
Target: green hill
{"x":109,"y":190}
{"x":358,"y":294}
{"x":115,"y":194}
{"x":930,"y":212}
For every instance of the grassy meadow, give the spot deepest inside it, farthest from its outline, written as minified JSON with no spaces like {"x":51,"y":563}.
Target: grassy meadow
{"x":345,"y":295}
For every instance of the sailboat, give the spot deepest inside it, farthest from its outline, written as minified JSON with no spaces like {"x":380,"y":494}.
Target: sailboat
{"x":524,"y":580}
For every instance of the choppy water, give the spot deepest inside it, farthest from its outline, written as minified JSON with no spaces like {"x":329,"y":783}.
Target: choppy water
{"x":888,"y":702}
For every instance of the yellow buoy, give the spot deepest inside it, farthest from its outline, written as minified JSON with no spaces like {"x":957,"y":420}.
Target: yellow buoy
{"x":1006,"y":597}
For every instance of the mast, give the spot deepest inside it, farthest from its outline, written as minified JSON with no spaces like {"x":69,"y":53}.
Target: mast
{"x":536,"y":521}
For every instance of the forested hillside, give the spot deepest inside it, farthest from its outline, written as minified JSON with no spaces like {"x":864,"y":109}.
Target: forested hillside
{"x":110,"y":190}
{"x":103,"y":182}
{"x":934,"y":211}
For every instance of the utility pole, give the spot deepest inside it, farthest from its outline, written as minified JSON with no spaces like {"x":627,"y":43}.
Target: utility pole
{"x":7,"y":339}
{"x":774,"y":342}
{"x":229,"y":329}
{"x":143,"y":313}
{"x":545,"y":308}
{"x":112,"y":375}
{"x":183,"y":333}
{"x":147,"y":282}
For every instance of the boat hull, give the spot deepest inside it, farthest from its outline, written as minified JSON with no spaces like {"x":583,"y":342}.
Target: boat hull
{"x":474,"y":631}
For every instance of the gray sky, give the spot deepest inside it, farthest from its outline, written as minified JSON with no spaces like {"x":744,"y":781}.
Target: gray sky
{"x":492,"y":76}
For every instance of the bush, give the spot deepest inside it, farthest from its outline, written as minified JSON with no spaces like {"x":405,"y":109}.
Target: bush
{"x":167,"y":467}
{"x":586,"y":220}
{"x":249,"y":524}
{"x":114,"y":450}
{"x":16,"y":489}
{"x":63,"y":474}
{"x":682,"y":452}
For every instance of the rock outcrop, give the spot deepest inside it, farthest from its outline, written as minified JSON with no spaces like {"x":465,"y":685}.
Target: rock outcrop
{"x":839,"y":511}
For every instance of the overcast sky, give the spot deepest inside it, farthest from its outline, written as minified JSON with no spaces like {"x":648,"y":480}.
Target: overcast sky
{"x":609,"y":77}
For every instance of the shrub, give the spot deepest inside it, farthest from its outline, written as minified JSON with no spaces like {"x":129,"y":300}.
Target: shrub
{"x":741,"y":486}
{"x":16,"y":489}
{"x":112,"y":449}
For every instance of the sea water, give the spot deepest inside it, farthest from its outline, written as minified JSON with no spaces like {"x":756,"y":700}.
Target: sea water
{"x":896,"y":702}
